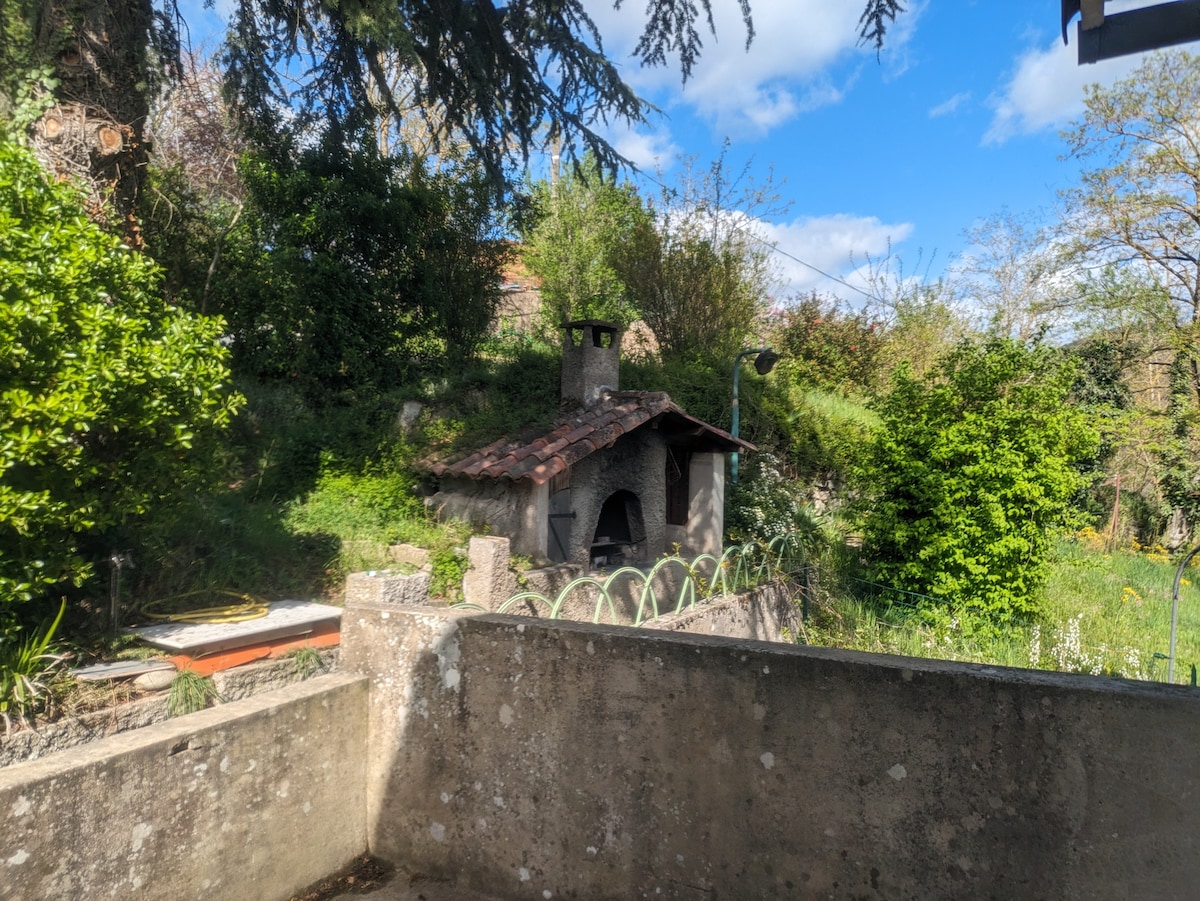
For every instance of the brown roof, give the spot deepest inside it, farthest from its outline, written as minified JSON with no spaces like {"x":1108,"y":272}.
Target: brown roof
{"x":540,"y":457}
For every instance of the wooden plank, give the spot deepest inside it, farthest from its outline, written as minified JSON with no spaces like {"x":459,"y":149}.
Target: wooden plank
{"x":119,"y":669}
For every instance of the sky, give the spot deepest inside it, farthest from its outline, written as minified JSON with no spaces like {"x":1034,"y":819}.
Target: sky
{"x":956,"y":120}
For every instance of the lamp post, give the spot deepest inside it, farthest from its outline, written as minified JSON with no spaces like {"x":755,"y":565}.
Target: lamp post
{"x":764,"y":361}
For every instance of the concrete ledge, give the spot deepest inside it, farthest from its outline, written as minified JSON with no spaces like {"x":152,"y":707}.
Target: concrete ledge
{"x":533,"y":758}
{"x":254,"y":799}
{"x":232,"y":685}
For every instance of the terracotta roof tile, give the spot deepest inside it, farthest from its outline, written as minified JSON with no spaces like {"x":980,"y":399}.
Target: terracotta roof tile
{"x":580,"y":434}
{"x":577,"y":451}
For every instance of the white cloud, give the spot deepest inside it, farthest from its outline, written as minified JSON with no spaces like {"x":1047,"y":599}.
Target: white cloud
{"x":786,"y":70}
{"x":1046,"y":86}
{"x":649,"y":152}
{"x":839,"y":244}
{"x":946,"y":107}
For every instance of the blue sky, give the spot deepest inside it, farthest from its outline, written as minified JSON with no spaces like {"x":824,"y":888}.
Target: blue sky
{"x":957,"y":120}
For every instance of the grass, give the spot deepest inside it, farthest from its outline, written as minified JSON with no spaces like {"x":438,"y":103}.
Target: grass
{"x":27,"y":668}
{"x":190,"y":692}
{"x":307,"y":661}
{"x":1105,"y":613}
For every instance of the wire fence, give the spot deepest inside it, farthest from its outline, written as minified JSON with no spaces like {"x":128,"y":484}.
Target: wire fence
{"x":672,"y":585}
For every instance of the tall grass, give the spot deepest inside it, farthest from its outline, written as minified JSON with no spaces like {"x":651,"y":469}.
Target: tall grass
{"x":1105,"y":613}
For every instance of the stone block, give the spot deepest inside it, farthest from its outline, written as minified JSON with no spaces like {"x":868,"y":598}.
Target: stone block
{"x":386,"y":587}
{"x":489,"y":582}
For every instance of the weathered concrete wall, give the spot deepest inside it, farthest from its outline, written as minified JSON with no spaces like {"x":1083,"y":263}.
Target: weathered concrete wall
{"x":516,"y":509}
{"x":546,"y":759}
{"x":635,"y":463}
{"x":254,"y":799}
{"x":764,"y":614}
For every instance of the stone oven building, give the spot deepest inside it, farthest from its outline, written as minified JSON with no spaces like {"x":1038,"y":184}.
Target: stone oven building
{"x":624,"y":477}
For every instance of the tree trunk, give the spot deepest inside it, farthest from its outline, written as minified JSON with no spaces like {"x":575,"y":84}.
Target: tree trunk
{"x":94,"y":131}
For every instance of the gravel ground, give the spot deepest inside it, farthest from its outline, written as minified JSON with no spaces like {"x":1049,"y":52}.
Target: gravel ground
{"x":370,"y":878}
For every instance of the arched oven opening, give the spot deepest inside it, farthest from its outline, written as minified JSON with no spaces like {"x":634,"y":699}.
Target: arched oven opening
{"x":620,"y":531}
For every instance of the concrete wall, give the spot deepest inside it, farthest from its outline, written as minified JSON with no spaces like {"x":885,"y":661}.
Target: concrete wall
{"x":254,"y":799}
{"x":764,"y":614}
{"x":516,"y":509}
{"x":635,"y":463}
{"x":587,"y":364}
{"x":539,"y":759}
{"x":69,"y":732}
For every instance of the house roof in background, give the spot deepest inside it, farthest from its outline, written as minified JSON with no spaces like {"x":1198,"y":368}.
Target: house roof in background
{"x":540,"y":456}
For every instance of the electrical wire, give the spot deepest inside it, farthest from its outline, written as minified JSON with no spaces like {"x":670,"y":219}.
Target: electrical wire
{"x":775,"y":248}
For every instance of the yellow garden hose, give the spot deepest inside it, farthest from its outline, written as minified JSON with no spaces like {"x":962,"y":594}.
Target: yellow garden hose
{"x":249,"y":608}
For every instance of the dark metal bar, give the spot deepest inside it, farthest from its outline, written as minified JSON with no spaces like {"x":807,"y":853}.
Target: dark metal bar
{"x":1149,"y":28}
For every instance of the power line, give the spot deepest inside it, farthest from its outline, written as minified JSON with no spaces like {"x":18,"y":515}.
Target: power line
{"x":671,"y":191}
{"x":816,"y":269}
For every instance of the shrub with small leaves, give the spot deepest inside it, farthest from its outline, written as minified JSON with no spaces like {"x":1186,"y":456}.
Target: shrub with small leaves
{"x":763,"y":505}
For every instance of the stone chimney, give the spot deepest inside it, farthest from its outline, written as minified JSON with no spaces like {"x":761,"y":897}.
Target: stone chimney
{"x":590,"y":361}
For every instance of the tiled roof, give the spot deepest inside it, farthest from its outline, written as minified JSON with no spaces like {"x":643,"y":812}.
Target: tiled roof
{"x":541,"y":457}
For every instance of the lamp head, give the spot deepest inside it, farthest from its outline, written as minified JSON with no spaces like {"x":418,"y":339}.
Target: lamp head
{"x":765,"y":361}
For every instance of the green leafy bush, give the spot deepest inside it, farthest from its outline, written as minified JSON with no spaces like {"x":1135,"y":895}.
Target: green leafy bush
{"x":348,"y":267}
{"x":826,"y":345}
{"x":108,"y":397}
{"x":972,"y":469}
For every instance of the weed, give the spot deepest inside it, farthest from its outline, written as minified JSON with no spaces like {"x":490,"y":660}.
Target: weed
{"x":190,"y":692}
{"x":520,"y":565}
{"x":307,"y":661}
{"x":27,"y":668}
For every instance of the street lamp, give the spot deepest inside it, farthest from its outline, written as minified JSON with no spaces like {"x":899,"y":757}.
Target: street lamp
{"x":764,"y":361}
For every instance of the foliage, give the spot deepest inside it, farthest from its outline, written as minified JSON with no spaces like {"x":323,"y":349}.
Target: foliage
{"x":449,"y":566}
{"x":110,"y":400}
{"x":1107,"y":612}
{"x":307,"y":661}
{"x":190,"y":692}
{"x":825,"y":344}
{"x":1009,"y":277}
{"x":1134,"y":212}
{"x":763,"y":504}
{"x":502,"y":75}
{"x":973,"y":468}
{"x":25,"y":667}
{"x":193,"y":196}
{"x":698,"y":271}
{"x":876,"y":17}
{"x":348,"y":265}
{"x":1136,"y":205}
{"x":826,"y":434}
{"x":354,"y":504}
{"x":77,"y":77}
{"x":919,"y":318}
{"x":580,"y":222}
